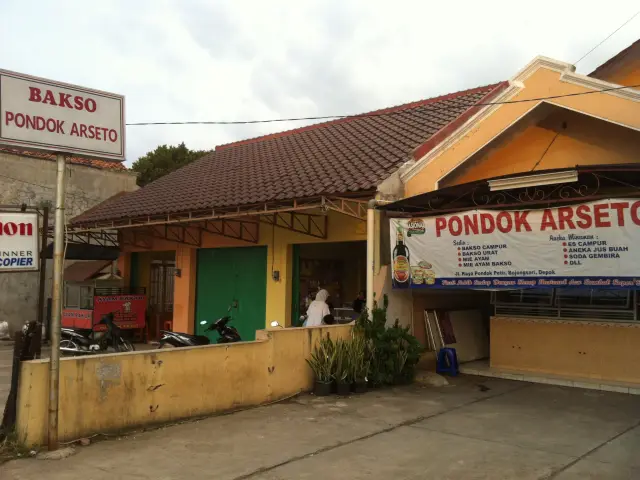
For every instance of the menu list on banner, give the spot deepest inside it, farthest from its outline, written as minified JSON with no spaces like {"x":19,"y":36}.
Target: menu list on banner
{"x":590,"y":245}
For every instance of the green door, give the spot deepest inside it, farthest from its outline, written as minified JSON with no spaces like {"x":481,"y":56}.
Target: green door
{"x":227,"y":276}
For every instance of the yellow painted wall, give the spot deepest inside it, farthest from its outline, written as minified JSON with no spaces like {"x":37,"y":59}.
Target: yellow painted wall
{"x":542,"y":83}
{"x":594,"y":350}
{"x":341,"y":228}
{"x":585,"y":141}
{"x":110,"y":393}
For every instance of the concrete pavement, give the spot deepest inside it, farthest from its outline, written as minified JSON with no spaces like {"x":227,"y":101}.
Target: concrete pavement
{"x":513,"y":430}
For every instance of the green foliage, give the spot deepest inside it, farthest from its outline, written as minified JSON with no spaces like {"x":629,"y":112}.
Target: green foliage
{"x":164,"y":159}
{"x":393,"y":352}
{"x":323,"y":359}
{"x":359,"y":360}
{"x":341,"y":366}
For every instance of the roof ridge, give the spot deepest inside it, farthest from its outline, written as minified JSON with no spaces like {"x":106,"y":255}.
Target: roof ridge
{"x":398,"y":108}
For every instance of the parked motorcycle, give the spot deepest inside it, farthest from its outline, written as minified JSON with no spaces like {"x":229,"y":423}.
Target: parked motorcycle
{"x":79,"y":341}
{"x":227,"y":334}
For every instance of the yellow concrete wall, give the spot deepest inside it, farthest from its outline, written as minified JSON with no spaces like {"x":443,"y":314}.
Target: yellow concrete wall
{"x":110,"y":393}
{"x":542,"y":83}
{"x":595,"y":350}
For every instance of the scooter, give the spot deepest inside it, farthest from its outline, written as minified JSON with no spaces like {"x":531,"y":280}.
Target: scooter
{"x":227,"y":334}
{"x":77,"y":341}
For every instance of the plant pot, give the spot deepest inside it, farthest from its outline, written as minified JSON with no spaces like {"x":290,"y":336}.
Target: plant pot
{"x":343,"y":388}
{"x":322,"y":389}
{"x":360,"y":386}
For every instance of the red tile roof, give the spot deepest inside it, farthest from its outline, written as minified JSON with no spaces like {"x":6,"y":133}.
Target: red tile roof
{"x":353,"y":154}
{"x":84,"y":270}
{"x":621,"y":56}
{"x":89,"y":162}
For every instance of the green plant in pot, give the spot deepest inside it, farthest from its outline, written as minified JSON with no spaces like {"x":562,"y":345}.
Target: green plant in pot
{"x":359,"y":364}
{"x":322,"y":364}
{"x":341,"y":367}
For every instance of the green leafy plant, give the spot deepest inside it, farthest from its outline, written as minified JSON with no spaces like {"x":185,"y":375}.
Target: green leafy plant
{"x":392,"y":351}
{"x":323,"y":359}
{"x":342,"y":364}
{"x":359,"y":364}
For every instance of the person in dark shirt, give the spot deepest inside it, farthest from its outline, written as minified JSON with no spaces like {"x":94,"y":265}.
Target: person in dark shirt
{"x":360,"y":302}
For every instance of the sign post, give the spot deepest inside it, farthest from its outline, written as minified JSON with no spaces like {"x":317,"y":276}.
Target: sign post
{"x":41,"y":114}
{"x":56,"y":302}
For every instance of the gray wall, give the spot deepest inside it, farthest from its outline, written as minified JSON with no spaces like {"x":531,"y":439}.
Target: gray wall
{"x":32,"y":181}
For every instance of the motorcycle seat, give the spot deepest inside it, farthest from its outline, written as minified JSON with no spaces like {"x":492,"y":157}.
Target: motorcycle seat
{"x":85,"y":332}
{"x":196,"y":339}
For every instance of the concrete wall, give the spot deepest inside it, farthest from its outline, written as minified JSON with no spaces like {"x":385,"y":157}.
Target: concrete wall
{"x":32,"y":181}
{"x":596,"y":350}
{"x":108,"y":393}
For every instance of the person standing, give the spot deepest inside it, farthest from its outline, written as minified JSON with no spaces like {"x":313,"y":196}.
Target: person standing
{"x":318,"y":309}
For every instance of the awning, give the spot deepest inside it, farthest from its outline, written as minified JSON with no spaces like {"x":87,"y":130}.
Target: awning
{"x":525,"y":190}
{"x":79,"y":251}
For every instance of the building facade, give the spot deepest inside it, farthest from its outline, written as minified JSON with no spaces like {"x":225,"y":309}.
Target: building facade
{"x":29,"y":178}
{"x":554,"y":140}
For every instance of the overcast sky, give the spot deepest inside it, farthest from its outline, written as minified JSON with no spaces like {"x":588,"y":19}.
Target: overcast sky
{"x":178,"y":60}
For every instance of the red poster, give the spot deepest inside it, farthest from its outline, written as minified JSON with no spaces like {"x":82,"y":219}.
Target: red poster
{"x":76,"y":318}
{"x":128,"y":310}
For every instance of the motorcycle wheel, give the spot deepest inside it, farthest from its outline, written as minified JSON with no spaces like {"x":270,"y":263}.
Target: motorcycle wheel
{"x":126,"y":346}
{"x":68,"y":344}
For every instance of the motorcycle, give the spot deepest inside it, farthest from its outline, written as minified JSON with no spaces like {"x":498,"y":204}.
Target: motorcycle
{"x":77,"y":341}
{"x":227,"y":334}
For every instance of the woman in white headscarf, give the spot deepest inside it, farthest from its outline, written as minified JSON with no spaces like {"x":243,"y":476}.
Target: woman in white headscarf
{"x":318,"y":309}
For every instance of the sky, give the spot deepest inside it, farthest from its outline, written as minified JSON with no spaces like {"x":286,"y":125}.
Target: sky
{"x":229,"y":60}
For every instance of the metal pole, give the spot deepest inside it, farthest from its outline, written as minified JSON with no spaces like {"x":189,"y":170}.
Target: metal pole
{"x":56,"y":314}
{"x":43,"y":270}
{"x":370,"y":254}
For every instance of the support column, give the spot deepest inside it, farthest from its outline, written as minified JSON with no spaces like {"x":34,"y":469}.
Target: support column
{"x":279,"y":259}
{"x":124,"y":265}
{"x":184,"y":290}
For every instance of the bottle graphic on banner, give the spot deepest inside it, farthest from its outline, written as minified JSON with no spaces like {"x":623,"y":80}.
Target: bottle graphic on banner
{"x":401,"y":262}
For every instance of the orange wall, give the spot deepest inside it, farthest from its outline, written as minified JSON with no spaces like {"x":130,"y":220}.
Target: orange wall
{"x":542,"y":83}
{"x":585,"y":141}
{"x":595,"y":350}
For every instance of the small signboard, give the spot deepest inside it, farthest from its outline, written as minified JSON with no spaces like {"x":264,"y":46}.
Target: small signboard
{"x":19,"y":242}
{"x":128,"y":310}
{"x":41,"y":114}
{"x":77,"y":318}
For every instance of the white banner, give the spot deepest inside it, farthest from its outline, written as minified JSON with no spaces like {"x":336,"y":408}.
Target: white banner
{"x":592,"y":245}
{"x":19,"y":242}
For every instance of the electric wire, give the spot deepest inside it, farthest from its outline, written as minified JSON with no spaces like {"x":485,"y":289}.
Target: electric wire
{"x":428,"y":107}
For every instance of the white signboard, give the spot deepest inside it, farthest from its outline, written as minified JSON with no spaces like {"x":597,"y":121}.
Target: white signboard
{"x":19,"y":237}
{"x":591,"y":245}
{"x":42,"y":114}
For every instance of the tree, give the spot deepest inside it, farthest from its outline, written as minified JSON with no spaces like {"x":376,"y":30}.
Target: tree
{"x":164,"y":159}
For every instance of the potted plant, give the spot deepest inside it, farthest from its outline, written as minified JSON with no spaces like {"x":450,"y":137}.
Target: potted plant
{"x":359,"y":363}
{"x":321,"y":363}
{"x":341,"y":367}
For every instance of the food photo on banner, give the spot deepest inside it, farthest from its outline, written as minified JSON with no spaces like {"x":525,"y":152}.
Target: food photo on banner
{"x":589,"y":245}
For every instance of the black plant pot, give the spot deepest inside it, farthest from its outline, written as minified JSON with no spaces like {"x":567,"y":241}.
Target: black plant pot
{"x":322,"y":389}
{"x":343,"y":389}
{"x":360,"y":386}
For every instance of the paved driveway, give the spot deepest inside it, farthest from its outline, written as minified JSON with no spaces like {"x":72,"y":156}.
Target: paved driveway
{"x":513,"y":430}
